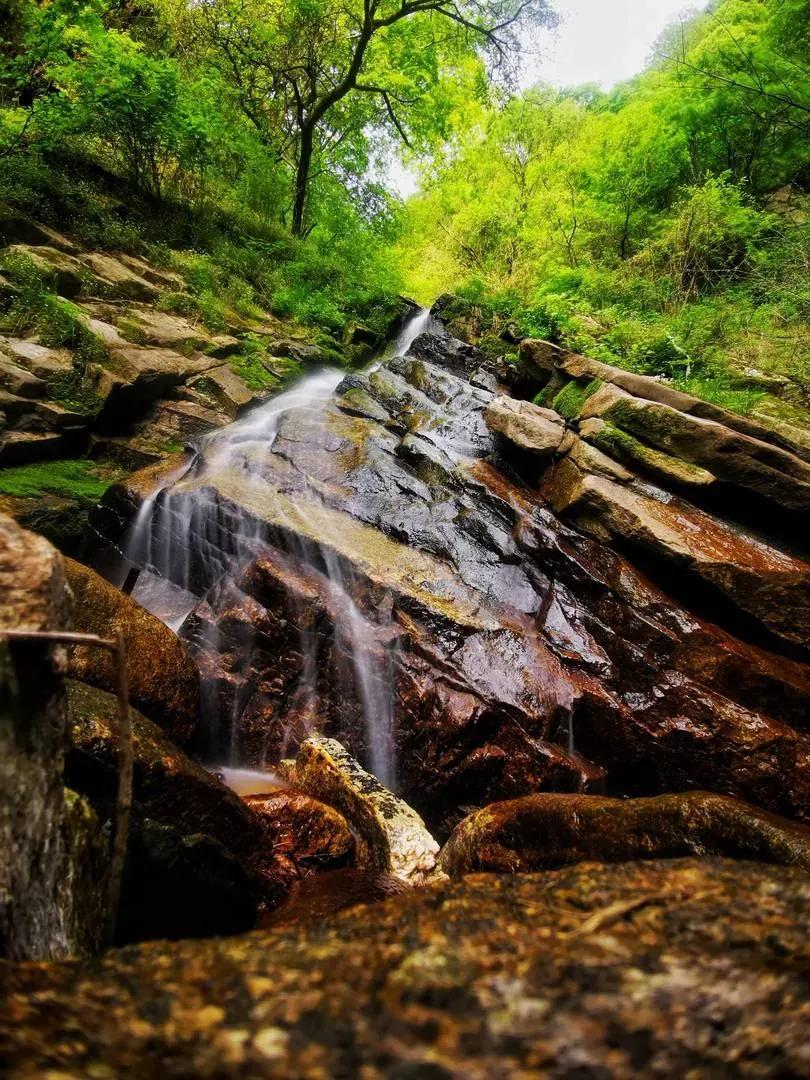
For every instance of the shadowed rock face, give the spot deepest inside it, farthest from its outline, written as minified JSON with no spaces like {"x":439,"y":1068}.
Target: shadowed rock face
{"x":691,"y":967}
{"x":163,"y":682}
{"x":543,"y":623}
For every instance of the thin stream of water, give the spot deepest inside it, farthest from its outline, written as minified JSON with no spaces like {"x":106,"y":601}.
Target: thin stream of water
{"x":186,"y":542}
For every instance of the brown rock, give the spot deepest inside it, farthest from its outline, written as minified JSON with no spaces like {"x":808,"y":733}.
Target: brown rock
{"x":163,"y":681}
{"x":527,"y":426}
{"x":136,"y":375}
{"x":316,"y":897}
{"x":304,"y":834}
{"x":543,"y":832}
{"x":391,"y":837}
{"x":63,"y":273}
{"x":225,"y":387}
{"x":674,"y":968}
{"x":541,"y":360}
{"x":119,"y":278}
{"x":52,"y":857}
{"x":39,"y":360}
{"x":18,"y":381}
{"x":198,"y":861}
{"x":761,"y":580}
{"x":774,"y":474}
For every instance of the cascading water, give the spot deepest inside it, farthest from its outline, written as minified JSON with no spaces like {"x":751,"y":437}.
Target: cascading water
{"x":186,"y":541}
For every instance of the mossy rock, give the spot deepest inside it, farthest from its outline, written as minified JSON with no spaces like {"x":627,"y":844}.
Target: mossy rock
{"x":569,"y":401}
{"x":631,"y":451}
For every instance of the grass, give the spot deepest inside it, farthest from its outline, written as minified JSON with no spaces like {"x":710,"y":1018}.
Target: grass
{"x":72,"y":478}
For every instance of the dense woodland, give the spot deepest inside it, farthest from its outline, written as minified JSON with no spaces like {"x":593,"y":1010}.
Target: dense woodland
{"x":661,"y":225}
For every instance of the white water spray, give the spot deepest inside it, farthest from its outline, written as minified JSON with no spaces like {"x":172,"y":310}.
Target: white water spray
{"x":186,"y":541}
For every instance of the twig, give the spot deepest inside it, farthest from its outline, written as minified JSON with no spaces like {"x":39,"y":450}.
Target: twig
{"x":123,"y":808}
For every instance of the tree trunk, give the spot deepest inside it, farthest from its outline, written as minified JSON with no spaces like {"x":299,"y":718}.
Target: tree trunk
{"x":302,"y":179}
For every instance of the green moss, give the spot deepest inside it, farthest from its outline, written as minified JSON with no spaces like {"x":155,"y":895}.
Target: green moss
{"x":131,"y":331}
{"x":545,"y":398}
{"x":570,"y":400}
{"x":649,"y":422}
{"x":625,"y":448}
{"x":253,"y":372}
{"x":76,"y":478}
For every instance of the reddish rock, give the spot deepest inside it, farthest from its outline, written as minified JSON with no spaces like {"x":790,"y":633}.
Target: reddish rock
{"x":304,"y":835}
{"x":543,"y":832}
{"x":691,"y":967}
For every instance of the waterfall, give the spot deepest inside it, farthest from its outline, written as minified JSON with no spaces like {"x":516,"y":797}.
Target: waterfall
{"x":186,"y":541}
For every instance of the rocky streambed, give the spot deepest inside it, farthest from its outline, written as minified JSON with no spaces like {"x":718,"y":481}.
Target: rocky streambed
{"x":561,"y":611}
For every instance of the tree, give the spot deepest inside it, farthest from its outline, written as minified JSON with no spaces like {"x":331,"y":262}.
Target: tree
{"x":315,"y":75}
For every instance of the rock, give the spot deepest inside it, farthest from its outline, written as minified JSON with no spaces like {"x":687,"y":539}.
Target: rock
{"x":320,"y":896}
{"x":42,"y":362}
{"x":52,"y":858}
{"x":118,"y":278}
{"x":134,"y":376}
{"x":163,"y":681}
{"x":777,"y":476}
{"x":62,"y":521}
{"x":305,"y":835}
{"x":225,"y":387}
{"x":164,"y":429}
{"x":16,"y":227}
{"x":671,"y":968}
{"x":541,"y":361}
{"x":766,"y":583}
{"x":148,"y":326}
{"x":527,"y":426}
{"x":391,"y":837}
{"x":61,"y":272}
{"x":158,"y":276}
{"x":23,"y":447}
{"x":198,"y":861}
{"x":387,"y":540}
{"x":664,"y":468}
{"x":543,"y":832}
{"x":19,"y":381}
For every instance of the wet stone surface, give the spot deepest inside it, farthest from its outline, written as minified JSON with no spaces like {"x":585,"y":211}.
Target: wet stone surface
{"x":377,"y":564}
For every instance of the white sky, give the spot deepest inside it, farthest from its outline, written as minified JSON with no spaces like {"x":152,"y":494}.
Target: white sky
{"x":601,"y":41}
{"x":597,"y":41}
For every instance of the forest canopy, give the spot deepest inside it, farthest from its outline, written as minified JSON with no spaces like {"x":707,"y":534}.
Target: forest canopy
{"x":661,"y":225}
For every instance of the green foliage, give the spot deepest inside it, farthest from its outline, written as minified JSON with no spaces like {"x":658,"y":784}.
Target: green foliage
{"x":35,"y":309}
{"x":642,"y":226}
{"x":77,"y":478}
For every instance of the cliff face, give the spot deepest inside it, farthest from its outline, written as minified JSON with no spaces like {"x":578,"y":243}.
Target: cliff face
{"x":607,"y":591}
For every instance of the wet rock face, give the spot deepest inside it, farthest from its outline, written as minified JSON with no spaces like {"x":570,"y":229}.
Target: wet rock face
{"x":542,"y":832}
{"x":588,"y":617}
{"x":163,"y":681}
{"x":304,"y":835}
{"x":661,"y":968}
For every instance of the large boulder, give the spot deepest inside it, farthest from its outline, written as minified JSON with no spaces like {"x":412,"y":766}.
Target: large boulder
{"x":198,"y":861}
{"x":527,"y":426}
{"x":760,"y":579}
{"x":668,"y":968}
{"x":384,"y":569}
{"x":543,"y":832}
{"x":163,"y":680}
{"x":53,"y":885}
